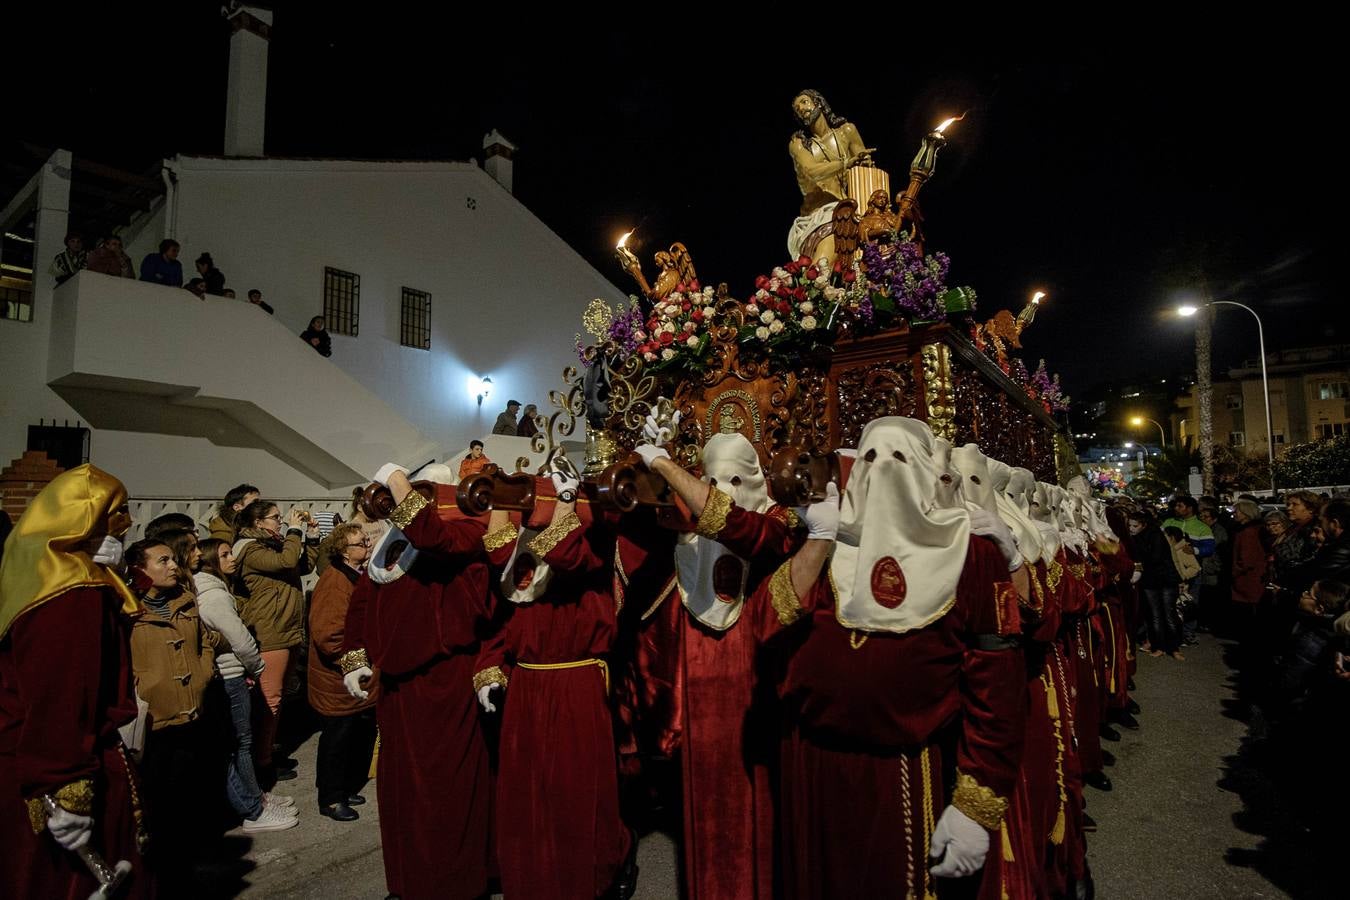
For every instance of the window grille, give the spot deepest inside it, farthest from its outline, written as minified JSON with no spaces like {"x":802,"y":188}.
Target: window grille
{"x":415,"y":319}
{"x":341,"y":301}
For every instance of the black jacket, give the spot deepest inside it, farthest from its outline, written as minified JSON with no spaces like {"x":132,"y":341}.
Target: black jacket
{"x":1331,"y":563}
{"x":1155,"y":553}
{"x":325,"y":345}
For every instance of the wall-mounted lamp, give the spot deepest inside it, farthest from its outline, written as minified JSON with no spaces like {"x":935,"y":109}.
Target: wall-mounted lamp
{"x":481,"y":387}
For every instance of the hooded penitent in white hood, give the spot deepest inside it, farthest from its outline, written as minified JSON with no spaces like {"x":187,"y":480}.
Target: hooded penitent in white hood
{"x":1052,"y":505}
{"x":898,"y":556}
{"x":1094,"y":510}
{"x":977,"y":486}
{"x":712,"y":580}
{"x":1022,"y":488}
{"x":1024,"y":528}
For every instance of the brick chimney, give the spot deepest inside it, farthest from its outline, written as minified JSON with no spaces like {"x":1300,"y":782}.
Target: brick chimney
{"x":24,"y":479}
{"x":246,"y":95}
{"x":497,"y":156}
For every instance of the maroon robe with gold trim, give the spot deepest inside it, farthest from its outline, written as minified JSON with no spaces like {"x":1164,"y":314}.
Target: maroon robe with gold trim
{"x":878,"y":725}
{"x":422,"y":633}
{"x":559,"y":832}
{"x":65,"y":689}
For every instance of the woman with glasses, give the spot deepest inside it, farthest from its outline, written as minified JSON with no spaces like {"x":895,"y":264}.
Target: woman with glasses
{"x":272,"y":559}
{"x":348,"y":736}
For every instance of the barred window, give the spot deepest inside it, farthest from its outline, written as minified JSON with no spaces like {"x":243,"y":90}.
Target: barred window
{"x":16,"y":304}
{"x":1237,"y":439}
{"x":414,"y":329}
{"x":341,"y":301}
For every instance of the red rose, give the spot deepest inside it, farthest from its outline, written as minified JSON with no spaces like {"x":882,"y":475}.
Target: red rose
{"x":812,"y":273}
{"x":800,"y":294}
{"x":838,"y":266}
{"x":694,"y":286}
{"x":762,"y":282}
{"x":849,"y":277}
{"x":686,"y":304}
{"x":784,"y":307}
{"x":666,"y":337}
{"x":697,"y":315}
{"x":792,"y":268}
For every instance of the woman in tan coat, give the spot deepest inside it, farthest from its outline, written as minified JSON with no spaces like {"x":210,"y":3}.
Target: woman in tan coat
{"x":272,"y":561}
{"x":348,"y":736}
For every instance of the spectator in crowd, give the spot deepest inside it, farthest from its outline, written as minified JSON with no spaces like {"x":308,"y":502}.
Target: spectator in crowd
{"x":214,"y":278}
{"x":474,"y":462}
{"x":240,"y":665}
{"x":221,"y":525}
{"x":527,"y":426}
{"x":173,"y":664}
{"x":1332,"y":559}
{"x":272,"y":561}
{"x":348,"y":736}
{"x":70,"y":260}
{"x":1214,"y":569}
{"x":197,"y":286}
{"x":163,"y":267}
{"x":316,"y":335}
{"x":1290,"y":547}
{"x":109,"y":259}
{"x":506,"y":421}
{"x":1249,"y":571}
{"x":1311,"y":646}
{"x":186,"y":554}
{"x":1185,"y":516}
{"x":174,"y":521}
{"x":229,"y":294}
{"x":1158,"y":583}
{"x":255,"y":297}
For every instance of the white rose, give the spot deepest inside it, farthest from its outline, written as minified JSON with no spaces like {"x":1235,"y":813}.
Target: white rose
{"x":833,"y":294}
{"x":766,"y":317}
{"x":761,"y":294}
{"x":649,"y":356}
{"x":640,"y":335}
{"x":808,"y":323}
{"x":667,"y":353}
{"x":669,"y":326}
{"x":692,"y":342}
{"x":775,"y":327}
{"x":807,"y":307}
{"x":762,"y":333}
{"x":709,"y":312}
{"x":751,"y":309}
{"x":708,"y":292}
{"x":781,"y":274}
{"x":691,"y":326}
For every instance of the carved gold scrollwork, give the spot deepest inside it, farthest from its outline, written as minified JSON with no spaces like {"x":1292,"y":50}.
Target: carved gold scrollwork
{"x":937,"y":382}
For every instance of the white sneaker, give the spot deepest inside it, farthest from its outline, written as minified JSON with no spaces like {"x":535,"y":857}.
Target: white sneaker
{"x":271,"y":819}
{"x":278,"y":800}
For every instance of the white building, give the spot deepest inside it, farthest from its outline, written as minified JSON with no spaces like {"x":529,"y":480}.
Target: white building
{"x":433,"y":274}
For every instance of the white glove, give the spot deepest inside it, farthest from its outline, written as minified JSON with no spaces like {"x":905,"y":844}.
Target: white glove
{"x":69,"y":830}
{"x":965,"y":841}
{"x":109,"y":553}
{"x":485,"y":697}
{"x":986,"y":524}
{"x":565,"y":481}
{"x":386,"y":470}
{"x":1134,"y":578}
{"x":657,"y":434}
{"x":352,"y":682}
{"x":650,"y":453}
{"x":822,"y":519}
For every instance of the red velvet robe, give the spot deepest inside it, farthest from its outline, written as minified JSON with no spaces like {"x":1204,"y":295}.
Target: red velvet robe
{"x":65,"y":689}
{"x":730,"y":735}
{"x":422,"y":633}
{"x":1117,"y":567}
{"x":1075,"y":679}
{"x":875,"y":723}
{"x":559,"y":832}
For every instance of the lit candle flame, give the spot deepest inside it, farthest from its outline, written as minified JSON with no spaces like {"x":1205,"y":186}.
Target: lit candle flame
{"x":943,"y":127}
{"x":623,"y":241}
{"x":1036,"y":298}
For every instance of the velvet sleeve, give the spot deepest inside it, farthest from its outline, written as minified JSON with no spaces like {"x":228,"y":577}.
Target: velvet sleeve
{"x":775,"y":606}
{"x":993,"y":693}
{"x":461,"y":539}
{"x":771,"y":536}
{"x":565,"y":547}
{"x":493,"y":665}
{"x":58,"y":652}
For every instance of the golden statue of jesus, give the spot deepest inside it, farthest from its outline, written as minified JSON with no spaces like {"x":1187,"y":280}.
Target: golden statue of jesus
{"x":823,"y":151}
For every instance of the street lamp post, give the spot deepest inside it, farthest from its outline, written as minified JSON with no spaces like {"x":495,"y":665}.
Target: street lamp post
{"x":1265,"y":381}
{"x":1138,"y":421}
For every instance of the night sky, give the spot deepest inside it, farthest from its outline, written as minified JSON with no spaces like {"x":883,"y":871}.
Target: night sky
{"x":1117,"y":178}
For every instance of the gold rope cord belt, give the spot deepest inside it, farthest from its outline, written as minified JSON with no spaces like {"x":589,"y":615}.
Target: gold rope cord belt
{"x":576,"y":664}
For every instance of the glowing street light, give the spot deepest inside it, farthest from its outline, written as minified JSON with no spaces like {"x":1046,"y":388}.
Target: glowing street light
{"x":1138,"y":422}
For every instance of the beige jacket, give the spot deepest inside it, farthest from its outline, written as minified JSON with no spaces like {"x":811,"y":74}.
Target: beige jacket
{"x":273,"y":601}
{"x":173,"y":660}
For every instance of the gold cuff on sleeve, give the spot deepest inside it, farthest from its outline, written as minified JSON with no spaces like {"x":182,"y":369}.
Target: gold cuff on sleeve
{"x":714,"y":516}
{"x":490,"y":675}
{"x":551,"y":536}
{"x":352,"y":660}
{"x":979,"y":802}
{"x":76,"y":797}
{"x":783,"y":595}
{"x":501,"y":537}
{"x":406,"y":511}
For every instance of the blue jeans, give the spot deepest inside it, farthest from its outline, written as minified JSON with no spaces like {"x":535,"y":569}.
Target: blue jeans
{"x":241,"y":783}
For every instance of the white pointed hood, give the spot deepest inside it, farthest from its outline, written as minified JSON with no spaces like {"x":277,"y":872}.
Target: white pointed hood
{"x":898,"y":555}
{"x":1016,"y":516}
{"x":711,"y":579}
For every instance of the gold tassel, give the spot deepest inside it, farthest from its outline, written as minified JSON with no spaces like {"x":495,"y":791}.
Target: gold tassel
{"x":1007,"y":843}
{"x":1057,"y":833}
{"x":1051,"y":701}
{"x":374,"y":756}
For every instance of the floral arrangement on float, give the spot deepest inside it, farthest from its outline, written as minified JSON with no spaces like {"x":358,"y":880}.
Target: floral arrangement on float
{"x":1104,"y":480}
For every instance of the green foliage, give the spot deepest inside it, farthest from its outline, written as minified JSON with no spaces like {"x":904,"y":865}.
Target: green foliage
{"x":1322,"y":462}
{"x":1166,"y":473}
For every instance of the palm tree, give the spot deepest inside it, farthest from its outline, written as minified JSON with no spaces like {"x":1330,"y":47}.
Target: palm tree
{"x":1167,"y":473}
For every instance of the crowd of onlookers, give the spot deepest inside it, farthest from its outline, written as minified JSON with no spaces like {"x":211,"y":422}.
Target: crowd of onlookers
{"x":231,"y":624}
{"x":163,"y":267}
{"x":1275,"y":580}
